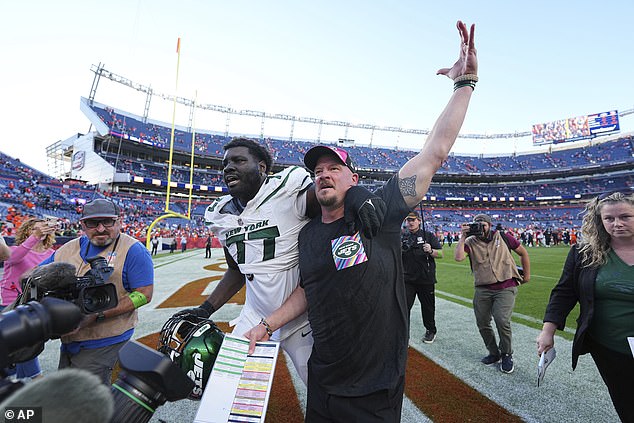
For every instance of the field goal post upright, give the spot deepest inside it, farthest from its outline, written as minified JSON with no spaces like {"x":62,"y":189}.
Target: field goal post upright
{"x":168,"y":212}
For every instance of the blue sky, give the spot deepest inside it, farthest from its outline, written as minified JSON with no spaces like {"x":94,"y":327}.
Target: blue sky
{"x":365,"y":62}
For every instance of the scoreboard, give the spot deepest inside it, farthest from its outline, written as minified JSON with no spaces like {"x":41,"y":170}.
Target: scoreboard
{"x":577,"y":128}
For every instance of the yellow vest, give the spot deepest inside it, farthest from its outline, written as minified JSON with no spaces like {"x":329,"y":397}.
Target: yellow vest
{"x":111,"y":326}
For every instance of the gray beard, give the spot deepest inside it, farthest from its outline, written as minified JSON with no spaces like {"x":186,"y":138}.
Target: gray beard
{"x":105,"y":244}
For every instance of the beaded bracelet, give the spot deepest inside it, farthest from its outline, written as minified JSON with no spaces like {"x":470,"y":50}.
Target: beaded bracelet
{"x":467,"y":77}
{"x":264,"y":323}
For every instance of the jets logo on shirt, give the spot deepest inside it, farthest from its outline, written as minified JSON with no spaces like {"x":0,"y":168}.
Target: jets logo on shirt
{"x":348,"y":251}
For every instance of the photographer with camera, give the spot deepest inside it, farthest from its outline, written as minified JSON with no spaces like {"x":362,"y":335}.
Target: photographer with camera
{"x":496,"y":279}
{"x":100,"y":336}
{"x":420,"y":248}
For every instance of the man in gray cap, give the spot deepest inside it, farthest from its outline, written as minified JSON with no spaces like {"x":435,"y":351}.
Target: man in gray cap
{"x":95,"y":345}
{"x":496,"y":279}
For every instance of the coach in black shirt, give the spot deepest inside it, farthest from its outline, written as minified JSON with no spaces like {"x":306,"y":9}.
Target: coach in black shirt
{"x":352,"y":285}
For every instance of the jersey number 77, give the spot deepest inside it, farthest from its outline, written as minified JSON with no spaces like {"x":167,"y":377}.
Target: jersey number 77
{"x":268,"y":236}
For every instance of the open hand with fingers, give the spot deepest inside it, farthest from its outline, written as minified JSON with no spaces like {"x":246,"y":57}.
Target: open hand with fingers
{"x":42,"y":229}
{"x":467,"y":63}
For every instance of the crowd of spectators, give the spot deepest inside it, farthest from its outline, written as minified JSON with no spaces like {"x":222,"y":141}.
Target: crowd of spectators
{"x":27,"y":192}
{"x":148,"y":169}
{"x":377,"y":158}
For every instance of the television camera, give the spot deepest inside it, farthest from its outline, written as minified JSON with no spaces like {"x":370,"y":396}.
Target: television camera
{"x":90,"y":292}
{"x":147,"y":380}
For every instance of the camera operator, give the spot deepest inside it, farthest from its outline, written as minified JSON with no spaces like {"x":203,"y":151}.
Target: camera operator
{"x":95,"y":344}
{"x":496,"y":280}
{"x":420,"y":248}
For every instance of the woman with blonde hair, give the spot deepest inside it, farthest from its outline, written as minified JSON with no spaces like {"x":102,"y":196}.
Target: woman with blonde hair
{"x":34,"y":240}
{"x":599,"y":275}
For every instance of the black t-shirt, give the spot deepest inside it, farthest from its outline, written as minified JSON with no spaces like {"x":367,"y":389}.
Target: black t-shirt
{"x":418,"y":266}
{"x":356,"y":307}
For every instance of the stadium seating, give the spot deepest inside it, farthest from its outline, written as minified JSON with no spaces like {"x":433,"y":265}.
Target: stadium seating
{"x":34,"y":193}
{"x":521,"y":190}
{"x":378,"y":158}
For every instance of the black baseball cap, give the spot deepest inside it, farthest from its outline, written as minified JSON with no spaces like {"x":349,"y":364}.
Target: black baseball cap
{"x":312,"y":155}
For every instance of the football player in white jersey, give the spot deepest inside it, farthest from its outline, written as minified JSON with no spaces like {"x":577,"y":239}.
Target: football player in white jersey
{"x":258,"y":225}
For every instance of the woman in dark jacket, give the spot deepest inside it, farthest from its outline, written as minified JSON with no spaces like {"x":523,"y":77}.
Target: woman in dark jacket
{"x":599,"y":275}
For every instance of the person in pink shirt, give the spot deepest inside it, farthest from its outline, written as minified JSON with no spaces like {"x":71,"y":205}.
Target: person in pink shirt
{"x":34,"y":240}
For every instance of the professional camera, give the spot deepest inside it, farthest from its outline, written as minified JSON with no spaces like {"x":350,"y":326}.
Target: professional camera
{"x":89,"y":292}
{"x":475,"y":229}
{"x":24,"y":330}
{"x":407,"y":244}
{"x":147,"y":380}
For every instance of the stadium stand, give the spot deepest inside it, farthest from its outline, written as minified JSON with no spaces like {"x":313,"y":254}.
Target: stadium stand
{"x":129,"y":156}
{"x":613,"y":153}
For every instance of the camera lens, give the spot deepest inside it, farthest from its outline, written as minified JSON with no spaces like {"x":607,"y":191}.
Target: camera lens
{"x":97,"y":301}
{"x":98,"y":298}
{"x":147,"y":380}
{"x":24,"y":329}
{"x":135,"y":400}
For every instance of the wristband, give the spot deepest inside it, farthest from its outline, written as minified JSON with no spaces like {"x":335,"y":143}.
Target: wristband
{"x":138,"y":299}
{"x":465,"y":83}
{"x":264,"y":323}
{"x":208,"y":307}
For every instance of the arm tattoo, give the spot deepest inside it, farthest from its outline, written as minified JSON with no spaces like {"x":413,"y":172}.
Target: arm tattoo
{"x":408,"y":186}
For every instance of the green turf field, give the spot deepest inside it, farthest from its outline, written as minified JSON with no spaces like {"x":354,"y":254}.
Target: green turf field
{"x":455,"y":279}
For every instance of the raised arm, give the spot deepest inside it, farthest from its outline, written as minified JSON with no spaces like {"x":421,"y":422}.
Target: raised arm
{"x":39,"y":232}
{"x":459,"y":252}
{"x":415,"y":176}
{"x":5,"y":251}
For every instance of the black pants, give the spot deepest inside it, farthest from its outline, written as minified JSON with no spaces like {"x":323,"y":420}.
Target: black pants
{"x":207,"y":252}
{"x":380,"y":406}
{"x":617,"y":371}
{"x":425,"y":293}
